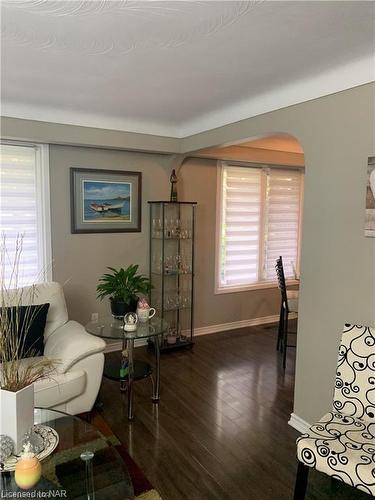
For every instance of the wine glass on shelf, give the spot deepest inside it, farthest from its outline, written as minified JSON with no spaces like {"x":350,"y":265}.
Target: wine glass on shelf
{"x":177,"y":228}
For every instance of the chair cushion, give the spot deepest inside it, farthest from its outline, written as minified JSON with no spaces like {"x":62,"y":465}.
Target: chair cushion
{"x":292,"y":300}
{"x":342,"y":447}
{"x":59,"y":388}
{"x":27,"y":324}
{"x":57,"y":313}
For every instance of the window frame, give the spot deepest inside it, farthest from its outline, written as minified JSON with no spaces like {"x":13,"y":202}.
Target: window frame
{"x":261,"y":284}
{"x":43,"y":206}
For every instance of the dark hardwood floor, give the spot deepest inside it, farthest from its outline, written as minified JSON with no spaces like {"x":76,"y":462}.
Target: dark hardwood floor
{"x":220,"y":430}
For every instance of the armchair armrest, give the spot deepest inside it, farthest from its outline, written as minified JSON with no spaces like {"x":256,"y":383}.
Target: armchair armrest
{"x":70,"y":343}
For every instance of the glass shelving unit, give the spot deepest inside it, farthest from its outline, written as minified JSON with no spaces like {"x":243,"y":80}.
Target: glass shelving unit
{"x":172,"y":226}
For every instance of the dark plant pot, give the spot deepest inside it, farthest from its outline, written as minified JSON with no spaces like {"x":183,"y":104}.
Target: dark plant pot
{"x":119,"y":309}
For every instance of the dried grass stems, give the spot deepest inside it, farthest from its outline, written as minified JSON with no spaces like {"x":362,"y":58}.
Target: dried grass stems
{"x":16,"y":313}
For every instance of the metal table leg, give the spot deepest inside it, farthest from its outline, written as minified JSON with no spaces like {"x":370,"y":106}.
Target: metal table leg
{"x":87,"y":457}
{"x":130,"y":378}
{"x":156,"y":386}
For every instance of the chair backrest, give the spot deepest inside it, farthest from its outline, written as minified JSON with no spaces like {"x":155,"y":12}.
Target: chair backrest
{"x":53,"y":294}
{"x":281,"y":280}
{"x":355,"y":374}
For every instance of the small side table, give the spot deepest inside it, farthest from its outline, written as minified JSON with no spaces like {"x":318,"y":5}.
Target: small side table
{"x":111,"y":328}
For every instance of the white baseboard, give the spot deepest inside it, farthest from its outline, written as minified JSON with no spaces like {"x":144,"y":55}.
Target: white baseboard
{"x":223,"y":327}
{"x":298,"y":423}
{"x":207,"y":330}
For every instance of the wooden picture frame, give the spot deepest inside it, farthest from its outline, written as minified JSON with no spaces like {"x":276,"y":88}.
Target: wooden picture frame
{"x":105,"y":201}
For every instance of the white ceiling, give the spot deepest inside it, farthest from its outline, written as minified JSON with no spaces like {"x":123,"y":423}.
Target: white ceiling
{"x":177,"y":68}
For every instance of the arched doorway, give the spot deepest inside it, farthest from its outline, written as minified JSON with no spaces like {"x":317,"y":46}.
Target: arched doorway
{"x":256,"y":304}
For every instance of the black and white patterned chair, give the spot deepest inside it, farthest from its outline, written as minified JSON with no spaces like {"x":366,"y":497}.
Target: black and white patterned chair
{"x":342,"y":443}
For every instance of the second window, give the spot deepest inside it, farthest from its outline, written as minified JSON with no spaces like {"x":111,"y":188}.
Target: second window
{"x":259,"y":219}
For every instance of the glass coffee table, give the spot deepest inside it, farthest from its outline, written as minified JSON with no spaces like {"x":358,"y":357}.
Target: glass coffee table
{"x":110,"y":328}
{"x":84,"y":465}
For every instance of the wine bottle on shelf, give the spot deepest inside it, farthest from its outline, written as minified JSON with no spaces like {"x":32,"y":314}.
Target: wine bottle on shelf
{"x":173,"y":181}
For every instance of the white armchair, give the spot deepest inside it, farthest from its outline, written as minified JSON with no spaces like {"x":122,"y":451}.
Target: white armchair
{"x":75,"y":382}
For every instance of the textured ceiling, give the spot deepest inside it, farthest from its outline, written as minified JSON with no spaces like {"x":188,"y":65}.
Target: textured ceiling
{"x":115,"y":28}
{"x":175,"y":67}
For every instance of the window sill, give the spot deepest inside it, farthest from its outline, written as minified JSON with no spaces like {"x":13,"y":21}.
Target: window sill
{"x":255,"y":286}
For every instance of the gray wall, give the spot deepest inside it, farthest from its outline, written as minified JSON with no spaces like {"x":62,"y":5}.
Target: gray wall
{"x":338,"y":262}
{"x":337,"y":133}
{"x":79,"y":259}
{"x":58,"y":133}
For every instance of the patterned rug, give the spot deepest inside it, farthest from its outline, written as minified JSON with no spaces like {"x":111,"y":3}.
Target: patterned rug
{"x":149,"y":495}
{"x":143,"y":489}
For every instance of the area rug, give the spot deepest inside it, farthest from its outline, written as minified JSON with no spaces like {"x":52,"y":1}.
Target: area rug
{"x":149,"y":495}
{"x":143,"y":489}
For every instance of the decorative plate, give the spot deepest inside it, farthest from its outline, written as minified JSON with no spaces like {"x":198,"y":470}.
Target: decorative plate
{"x":50,"y":439}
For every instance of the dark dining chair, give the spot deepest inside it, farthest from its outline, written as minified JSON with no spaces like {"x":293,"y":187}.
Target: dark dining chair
{"x":289,"y":303}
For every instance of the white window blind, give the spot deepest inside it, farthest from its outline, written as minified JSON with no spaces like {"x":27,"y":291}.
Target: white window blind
{"x":259,"y":221}
{"x":241,"y":195}
{"x":24,"y":210}
{"x":282,"y":211}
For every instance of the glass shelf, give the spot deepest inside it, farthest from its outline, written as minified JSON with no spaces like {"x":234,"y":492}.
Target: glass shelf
{"x":180,"y":308}
{"x":178,"y":344}
{"x":160,"y":238}
{"x":173,"y":273}
{"x":169,"y":263}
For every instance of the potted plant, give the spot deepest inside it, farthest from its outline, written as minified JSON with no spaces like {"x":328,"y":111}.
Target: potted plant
{"x":123,"y":287}
{"x":17,"y":314}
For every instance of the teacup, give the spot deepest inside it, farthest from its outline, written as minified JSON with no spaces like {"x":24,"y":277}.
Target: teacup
{"x":145,"y":314}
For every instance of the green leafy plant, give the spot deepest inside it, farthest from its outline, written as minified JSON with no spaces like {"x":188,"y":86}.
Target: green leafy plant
{"x":123,"y":285}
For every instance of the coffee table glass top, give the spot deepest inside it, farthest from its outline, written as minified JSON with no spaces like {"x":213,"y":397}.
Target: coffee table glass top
{"x":112,"y":328}
{"x":104,"y":477}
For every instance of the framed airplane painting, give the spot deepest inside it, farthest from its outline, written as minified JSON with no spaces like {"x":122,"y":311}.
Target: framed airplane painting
{"x":105,"y":201}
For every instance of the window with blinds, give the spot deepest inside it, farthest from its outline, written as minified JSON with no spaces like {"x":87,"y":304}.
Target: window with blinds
{"x":259,"y":220}
{"x":24,"y":210}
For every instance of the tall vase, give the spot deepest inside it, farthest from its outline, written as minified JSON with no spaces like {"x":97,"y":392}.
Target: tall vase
{"x":17,"y":414}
